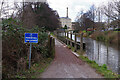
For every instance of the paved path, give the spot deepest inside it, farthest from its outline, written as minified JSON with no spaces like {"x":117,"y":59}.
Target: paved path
{"x":67,"y":65}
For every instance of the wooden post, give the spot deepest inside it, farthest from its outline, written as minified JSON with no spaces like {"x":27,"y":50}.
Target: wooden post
{"x":67,"y":38}
{"x":81,"y":42}
{"x":65,"y":34}
{"x":75,"y":37}
{"x":70,"y":36}
{"x":57,"y":34}
{"x":118,"y":44}
{"x":49,"y":45}
{"x":53,"y":47}
{"x":75,"y":42}
{"x":71,"y":39}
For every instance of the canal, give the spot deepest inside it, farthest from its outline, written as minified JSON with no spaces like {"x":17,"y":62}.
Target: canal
{"x":101,"y":53}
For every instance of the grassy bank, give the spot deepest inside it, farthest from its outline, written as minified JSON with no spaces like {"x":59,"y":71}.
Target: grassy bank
{"x":103,"y":70}
{"x":111,"y":37}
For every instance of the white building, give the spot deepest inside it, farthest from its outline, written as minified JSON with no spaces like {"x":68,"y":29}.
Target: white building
{"x":66,"y":21}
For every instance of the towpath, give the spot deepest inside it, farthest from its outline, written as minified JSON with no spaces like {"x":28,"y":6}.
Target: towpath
{"x":67,"y":65}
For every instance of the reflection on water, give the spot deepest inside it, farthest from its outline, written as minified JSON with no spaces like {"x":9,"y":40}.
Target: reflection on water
{"x":101,"y":53}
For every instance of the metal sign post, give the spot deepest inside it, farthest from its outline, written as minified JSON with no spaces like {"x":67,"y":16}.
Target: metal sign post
{"x":31,"y":38}
{"x":30,"y":55}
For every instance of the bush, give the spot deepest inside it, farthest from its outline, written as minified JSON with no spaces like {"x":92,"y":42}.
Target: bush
{"x":15,"y":51}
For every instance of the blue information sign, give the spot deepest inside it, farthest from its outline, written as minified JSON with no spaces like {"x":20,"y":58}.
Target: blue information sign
{"x":31,"y":37}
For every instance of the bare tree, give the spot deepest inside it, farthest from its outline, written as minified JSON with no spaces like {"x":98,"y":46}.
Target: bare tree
{"x":85,"y":20}
{"x":112,"y":10}
{"x":92,"y":11}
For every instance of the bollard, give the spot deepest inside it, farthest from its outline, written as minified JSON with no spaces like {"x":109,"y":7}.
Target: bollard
{"x":81,"y":42}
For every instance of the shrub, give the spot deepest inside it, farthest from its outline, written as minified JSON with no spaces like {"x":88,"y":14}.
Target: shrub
{"x":15,"y":51}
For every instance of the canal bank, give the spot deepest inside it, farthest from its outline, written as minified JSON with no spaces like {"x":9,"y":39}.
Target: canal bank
{"x":101,"y":53}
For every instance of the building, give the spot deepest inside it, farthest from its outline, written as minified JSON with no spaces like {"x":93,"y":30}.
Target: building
{"x":66,"y":21}
{"x":75,"y":25}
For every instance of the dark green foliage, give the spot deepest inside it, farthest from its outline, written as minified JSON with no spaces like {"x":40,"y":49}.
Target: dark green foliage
{"x":76,"y":31}
{"x":116,"y":29}
{"x":89,"y":32}
{"x":41,"y":15}
{"x":15,"y":51}
{"x":47,"y":18}
{"x":65,"y":27}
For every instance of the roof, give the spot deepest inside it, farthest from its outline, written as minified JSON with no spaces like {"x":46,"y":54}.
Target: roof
{"x":65,"y":17}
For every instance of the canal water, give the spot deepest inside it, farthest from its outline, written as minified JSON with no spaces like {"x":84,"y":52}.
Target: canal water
{"x":101,"y":53}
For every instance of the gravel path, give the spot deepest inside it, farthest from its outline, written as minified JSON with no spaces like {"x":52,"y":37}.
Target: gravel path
{"x":67,"y":65}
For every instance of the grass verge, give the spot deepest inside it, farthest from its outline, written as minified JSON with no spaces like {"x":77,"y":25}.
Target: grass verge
{"x":35,"y":70}
{"x":103,"y":70}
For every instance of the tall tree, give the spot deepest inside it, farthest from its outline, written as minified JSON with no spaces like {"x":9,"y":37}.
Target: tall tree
{"x":47,"y":17}
{"x":85,"y":20}
{"x":40,"y":14}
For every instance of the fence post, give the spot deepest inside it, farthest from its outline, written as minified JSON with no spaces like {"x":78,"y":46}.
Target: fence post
{"x":75,"y":42}
{"x":57,"y":34}
{"x":65,"y":34}
{"x":67,"y":38}
{"x":48,"y":44}
{"x":81,"y":42}
{"x":53,"y":47}
{"x":71,"y":39}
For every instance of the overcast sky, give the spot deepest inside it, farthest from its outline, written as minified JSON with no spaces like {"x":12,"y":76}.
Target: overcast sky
{"x":74,"y":6}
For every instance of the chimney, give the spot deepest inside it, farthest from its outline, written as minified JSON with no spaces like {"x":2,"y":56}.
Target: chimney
{"x":67,"y":12}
